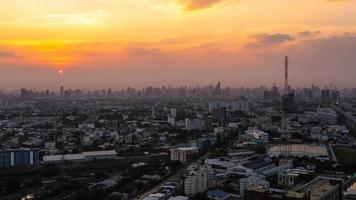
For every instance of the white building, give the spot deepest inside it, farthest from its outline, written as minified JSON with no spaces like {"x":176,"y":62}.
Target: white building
{"x":239,"y":105}
{"x":50,"y":145}
{"x":174,"y":112}
{"x":180,"y":154}
{"x":198,"y":180}
{"x":233,"y":125}
{"x":50,"y":148}
{"x":253,"y":182}
{"x":257,"y":134}
{"x":171,"y":120}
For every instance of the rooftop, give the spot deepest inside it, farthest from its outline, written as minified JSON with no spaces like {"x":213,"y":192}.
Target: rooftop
{"x":352,"y":189}
{"x":179,"y":198}
{"x":300,"y":150}
{"x":319,"y":186}
{"x":217,"y":193}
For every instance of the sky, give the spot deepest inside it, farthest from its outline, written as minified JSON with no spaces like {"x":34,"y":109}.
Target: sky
{"x":136,"y":43}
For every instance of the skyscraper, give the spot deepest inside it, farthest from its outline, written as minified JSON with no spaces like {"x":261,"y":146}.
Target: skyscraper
{"x":61,"y":91}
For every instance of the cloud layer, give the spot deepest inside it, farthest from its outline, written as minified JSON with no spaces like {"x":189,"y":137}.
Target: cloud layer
{"x":198,"y":4}
{"x":265,"y":39}
{"x":6,"y":54}
{"x":140,"y":42}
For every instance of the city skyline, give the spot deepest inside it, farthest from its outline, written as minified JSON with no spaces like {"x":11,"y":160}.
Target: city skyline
{"x":211,"y":86}
{"x":99,"y":44}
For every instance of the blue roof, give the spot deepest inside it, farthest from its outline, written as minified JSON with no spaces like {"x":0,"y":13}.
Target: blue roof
{"x":217,"y":193}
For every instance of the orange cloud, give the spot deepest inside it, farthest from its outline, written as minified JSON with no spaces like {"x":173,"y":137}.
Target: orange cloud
{"x":265,"y":39}
{"x":197,"y":4}
{"x":7,"y":54}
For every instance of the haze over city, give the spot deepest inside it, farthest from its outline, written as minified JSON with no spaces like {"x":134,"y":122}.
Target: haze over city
{"x":111,"y":43}
{"x":177,"y":100}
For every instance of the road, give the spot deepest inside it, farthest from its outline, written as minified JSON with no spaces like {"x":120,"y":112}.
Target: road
{"x":156,"y":188}
{"x":173,"y":177}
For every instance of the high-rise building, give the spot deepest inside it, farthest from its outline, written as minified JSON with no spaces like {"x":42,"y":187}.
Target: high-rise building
{"x":353,"y":91}
{"x":24,"y":93}
{"x":271,"y":94}
{"x":199,"y":179}
{"x":325,"y":94}
{"x":288,"y":102}
{"x":61,"y":91}
{"x":218,"y":88}
{"x":335,"y":95}
{"x":171,"y":118}
{"x":220,"y":115}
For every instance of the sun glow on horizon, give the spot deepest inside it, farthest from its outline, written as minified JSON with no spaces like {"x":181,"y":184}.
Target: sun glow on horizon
{"x":170,"y":37}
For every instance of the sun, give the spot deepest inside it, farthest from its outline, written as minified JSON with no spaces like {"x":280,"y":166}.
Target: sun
{"x":60,"y":72}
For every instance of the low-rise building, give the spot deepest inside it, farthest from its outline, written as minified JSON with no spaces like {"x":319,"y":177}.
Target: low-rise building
{"x":255,"y":135}
{"x":180,"y":154}
{"x":253,"y":182}
{"x":231,"y":106}
{"x":323,"y":188}
{"x":85,"y":156}
{"x":327,"y":115}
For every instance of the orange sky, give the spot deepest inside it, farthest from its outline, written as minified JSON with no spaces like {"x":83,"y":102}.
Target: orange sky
{"x":174,"y":41}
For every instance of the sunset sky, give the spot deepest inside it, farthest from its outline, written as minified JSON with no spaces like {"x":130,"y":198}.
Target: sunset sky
{"x":120,"y":43}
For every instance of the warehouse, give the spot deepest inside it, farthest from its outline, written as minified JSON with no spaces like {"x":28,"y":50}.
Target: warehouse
{"x":85,"y":156}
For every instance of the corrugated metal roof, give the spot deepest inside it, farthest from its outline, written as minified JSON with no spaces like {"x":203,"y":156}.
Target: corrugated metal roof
{"x":81,"y":156}
{"x":99,"y":153}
